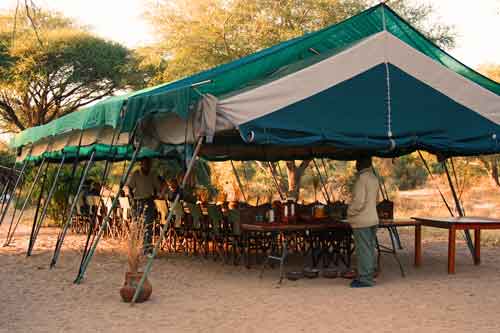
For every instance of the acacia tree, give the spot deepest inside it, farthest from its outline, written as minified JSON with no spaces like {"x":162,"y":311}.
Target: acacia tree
{"x":197,"y":35}
{"x":54,"y":68}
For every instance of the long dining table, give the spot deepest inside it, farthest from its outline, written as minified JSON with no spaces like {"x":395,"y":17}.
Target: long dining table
{"x":312,"y":225}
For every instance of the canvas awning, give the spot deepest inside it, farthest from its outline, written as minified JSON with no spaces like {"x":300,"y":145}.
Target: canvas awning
{"x":371,"y":84}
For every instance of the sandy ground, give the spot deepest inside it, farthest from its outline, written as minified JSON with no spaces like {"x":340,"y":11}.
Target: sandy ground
{"x":191,"y":294}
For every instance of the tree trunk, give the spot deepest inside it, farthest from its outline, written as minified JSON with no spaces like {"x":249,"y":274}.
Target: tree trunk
{"x":494,"y":171}
{"x":295,"y":174}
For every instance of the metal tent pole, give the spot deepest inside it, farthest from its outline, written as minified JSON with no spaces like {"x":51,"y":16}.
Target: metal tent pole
{"x":10,"y":233}
{"x":239,"y":181}
{"x":105,"y":223}
{"x":4,"y":193}
{"x":93,"y":221}
{"x":149,"y":264}
{"x":325,"y":191}
{"x":69,"y":220}
{"x":45,"y":207}
{"x":276,"y":183}
{"x":16,"y":185}
{"x":39,"y":201}
{"x":460,"y":209}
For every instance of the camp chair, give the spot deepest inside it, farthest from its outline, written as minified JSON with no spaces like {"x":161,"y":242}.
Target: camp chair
{"x":162,"y":213}
{"x":234,"y":219}
{"x":194,"y":231}
{"x":114,"y":228}
{"x":175,"y":233}
{"x":215,"y":233}
{"x":94,"y":203}
{"x":81,"y":218}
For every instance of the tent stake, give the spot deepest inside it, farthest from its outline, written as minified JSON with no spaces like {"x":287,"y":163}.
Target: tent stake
{"x":69,"y":220}
{"x":105,"y":223}
{"x":10,"y":233}
{"x":151,"y":258}
{"x":45,"y":207}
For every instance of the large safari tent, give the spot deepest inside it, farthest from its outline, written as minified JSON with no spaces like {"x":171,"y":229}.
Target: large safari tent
{"x":372,"y":84}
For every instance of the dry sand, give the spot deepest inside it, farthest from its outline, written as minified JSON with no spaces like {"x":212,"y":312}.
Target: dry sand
{"x":191,"y":294}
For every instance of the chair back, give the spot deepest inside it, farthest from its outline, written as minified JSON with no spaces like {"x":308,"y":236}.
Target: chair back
{"x":178,"y":212}
{"x":162,"y":209}
{"x":125,"y":206}
{"x":216,"y":217}
{"x":108,"y":203}
{"x":196,"y":214}
{"x":234,"y":217}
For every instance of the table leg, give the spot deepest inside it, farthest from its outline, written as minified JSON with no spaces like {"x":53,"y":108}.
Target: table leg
{"x":477,"y":246}
{"x":418,"y":245}
{"x":452,"y":233}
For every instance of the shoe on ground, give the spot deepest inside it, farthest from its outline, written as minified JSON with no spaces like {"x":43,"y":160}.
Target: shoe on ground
{"x":360,"y":284}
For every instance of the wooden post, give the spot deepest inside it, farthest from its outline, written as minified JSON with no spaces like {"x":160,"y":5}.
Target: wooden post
{"x":452,"y":234}
{"x":477,"y":246}
{"x":418,"y":245}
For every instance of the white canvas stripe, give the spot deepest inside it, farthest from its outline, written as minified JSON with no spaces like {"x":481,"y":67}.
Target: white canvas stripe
{"x":300,"y":85}
{"x":365,"y":55}
{"x":455,"y":86}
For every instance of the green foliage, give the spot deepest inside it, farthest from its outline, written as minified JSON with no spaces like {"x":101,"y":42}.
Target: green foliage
{"x":66,"y":187}
{"x":55,"y":68}
{"x":409,"y":172}
{"x":197,"y":35}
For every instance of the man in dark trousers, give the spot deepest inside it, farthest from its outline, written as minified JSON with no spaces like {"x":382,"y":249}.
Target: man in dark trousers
{"x":363,"y":218}
{"x":142,"y":185}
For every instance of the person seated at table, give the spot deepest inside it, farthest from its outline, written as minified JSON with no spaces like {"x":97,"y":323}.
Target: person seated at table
{"x":363,"y":218}
{"x":142,"y":185}
{"x":174,"y":188}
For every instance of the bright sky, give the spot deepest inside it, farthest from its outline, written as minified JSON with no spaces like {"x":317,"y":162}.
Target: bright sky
{"x":477,"y":23}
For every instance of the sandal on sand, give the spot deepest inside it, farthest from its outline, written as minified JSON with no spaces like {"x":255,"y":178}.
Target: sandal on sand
{"x":349,"y":274}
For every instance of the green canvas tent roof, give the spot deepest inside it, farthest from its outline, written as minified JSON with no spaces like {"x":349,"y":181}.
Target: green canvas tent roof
{"x":369,"y":84}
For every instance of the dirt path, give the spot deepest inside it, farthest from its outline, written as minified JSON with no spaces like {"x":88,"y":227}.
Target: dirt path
{"x":196,"y":295}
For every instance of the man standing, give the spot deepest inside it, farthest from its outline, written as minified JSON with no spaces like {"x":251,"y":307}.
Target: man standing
{"x":142,"y":186}
{"x":362,"y":215}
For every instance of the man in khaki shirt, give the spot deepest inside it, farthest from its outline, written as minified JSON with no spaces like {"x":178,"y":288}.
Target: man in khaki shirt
{"x":142,"y":186}
{"x":363,"y":217}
